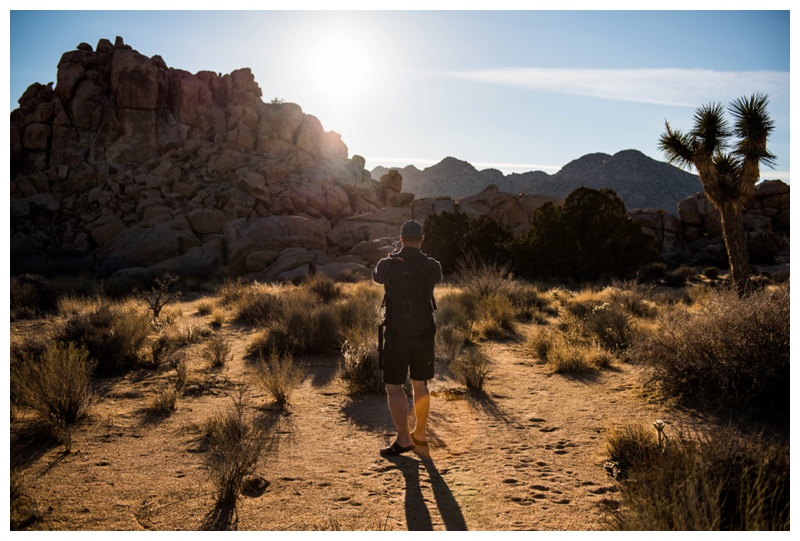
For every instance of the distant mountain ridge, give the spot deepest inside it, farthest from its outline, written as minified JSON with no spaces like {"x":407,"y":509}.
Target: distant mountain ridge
{"x":640,"y":181}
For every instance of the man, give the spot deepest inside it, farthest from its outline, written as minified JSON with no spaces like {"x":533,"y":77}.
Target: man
{"x":408,"y":277}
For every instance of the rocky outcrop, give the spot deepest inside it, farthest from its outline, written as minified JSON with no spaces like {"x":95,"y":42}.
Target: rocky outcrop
{"x":696,"y":234}
{"x":128,"y":163}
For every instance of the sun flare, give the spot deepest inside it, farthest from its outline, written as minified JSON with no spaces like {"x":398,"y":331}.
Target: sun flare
{"x":340,"y":65}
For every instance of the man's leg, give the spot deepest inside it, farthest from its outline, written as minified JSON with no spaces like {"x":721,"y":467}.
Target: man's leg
{"x":422,"y":402}
{"x":398,"y":408}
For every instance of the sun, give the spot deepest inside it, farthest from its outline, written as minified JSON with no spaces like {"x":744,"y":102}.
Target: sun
{"x":340,"y":65}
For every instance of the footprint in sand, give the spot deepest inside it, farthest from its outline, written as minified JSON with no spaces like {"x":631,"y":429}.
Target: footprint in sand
{"x":548,"y":429}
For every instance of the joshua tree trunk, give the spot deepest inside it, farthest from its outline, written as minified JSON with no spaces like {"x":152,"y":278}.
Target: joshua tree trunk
{"x":736,"y":243}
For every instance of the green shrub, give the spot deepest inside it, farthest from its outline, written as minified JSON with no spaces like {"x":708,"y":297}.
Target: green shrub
{"x":57,"y":386}
{"x":727,"y":353}
{"x":112,"y":333}
{"x":453,"y":237}
{"x":590,"y":236}
{"x":721,"y":481}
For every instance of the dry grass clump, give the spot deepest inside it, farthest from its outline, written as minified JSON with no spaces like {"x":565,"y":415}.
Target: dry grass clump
{"x":253,"y":304}
{"x":722,"y":481}
{"x":30,"y":296}
{"x":235,"y":444}
{"x":359,"y":363}
{"x":725,"y":352}
{"x":112,"y":332}
{"x":323,"y":286}
{"x":472,"y":368}
{"x":55,"y":384}
{"x":565,"y":352}
{"x":450,"y":342}
{"x":494,"y":317}
{"x":279,"y":376}
{"x":205,"y":308}
{"x":218,"y":350}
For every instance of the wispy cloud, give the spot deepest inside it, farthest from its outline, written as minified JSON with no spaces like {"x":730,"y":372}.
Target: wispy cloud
{"x":677,"y":87}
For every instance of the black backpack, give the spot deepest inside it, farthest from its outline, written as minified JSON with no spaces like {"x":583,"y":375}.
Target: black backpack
{"x":409,"y":298}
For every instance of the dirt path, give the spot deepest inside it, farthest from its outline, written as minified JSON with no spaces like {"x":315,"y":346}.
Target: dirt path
{"x":528,"y":454}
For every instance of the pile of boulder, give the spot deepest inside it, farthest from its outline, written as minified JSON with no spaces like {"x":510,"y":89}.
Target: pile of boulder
{"x":695,"y":235}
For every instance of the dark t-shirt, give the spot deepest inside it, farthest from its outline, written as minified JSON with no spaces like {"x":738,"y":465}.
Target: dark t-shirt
{"x":433,"y":270}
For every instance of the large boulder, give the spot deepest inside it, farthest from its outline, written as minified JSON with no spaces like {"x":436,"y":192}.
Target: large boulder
{"x":269,"y":234}
{"x":375,"y":225}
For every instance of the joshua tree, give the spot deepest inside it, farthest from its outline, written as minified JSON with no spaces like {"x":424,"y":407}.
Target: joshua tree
{"x":728,"y":177}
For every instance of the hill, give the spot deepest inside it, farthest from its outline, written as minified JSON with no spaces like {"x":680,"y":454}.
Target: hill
{"x":640,"y":181}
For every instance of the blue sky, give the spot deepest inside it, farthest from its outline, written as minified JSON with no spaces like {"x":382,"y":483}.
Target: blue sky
{"x":518,"y":90}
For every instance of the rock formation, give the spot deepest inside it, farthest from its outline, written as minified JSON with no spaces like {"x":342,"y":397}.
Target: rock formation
{"x":129,"y":169}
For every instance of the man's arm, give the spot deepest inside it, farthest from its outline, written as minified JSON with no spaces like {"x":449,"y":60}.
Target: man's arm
{"x":380,"y":274}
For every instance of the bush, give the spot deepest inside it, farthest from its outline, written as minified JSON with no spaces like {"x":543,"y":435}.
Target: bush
{"x":112,"y":333}
{"x":494,"y":317}
{"x":359,"y":364}
{"x":450,"y":342}
{"x":728,"y":353}
{"x":205,"y":308}
{"x":218,"y":350}
{"x":279,"y":376}
{"x":30,"y":296}
{"x":256,"y":305}
{"x":566,"y":352}
{"x":323,"y":287}
{"x":235,"y":445}
{"x":56,"y":385}
{"x":472,"y":368}
{"x":719,"y":482}
{"x":452,"y":238}
{"x":590,"y":236}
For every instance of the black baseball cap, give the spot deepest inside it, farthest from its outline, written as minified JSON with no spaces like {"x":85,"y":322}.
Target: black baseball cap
{"x":411,"y":230}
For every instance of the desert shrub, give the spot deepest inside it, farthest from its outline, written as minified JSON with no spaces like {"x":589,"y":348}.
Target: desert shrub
{"x":452,"y":237}
{"x":529,"y":303}
{"x":472,"y":368}
{"x":589,"y":236}
{"x":651,"y":272}
{"x":679,"y":277}
{"x":359,"y":308}
{"x":256,"y":305}
{"x":278,"y":376}
{"x":235,"y":444}
{"x":359,"y":363}
{"x":611,"y":326}
{"x":712,"y":273}
{"x":159,"y":295}
{"x":632,"y":444}
{"x":112,"y":333}
{"x":727,"y":353}
{"x":165,"y":401}
{"x":57,"y":386}
{"x":483,"y":278}
{"x":218,"y":317}
{"x":205,"y":308}
{"x":323,"y":287}
{"x":722,"y":481}
{"x":494,"y":317}
{"x":566,"y":351}
{"x":218,"y":351}
{"x":455,"y":307}
{"x":450,"y":342}
{"x":31,"y":296}
{"x":305,"y":327}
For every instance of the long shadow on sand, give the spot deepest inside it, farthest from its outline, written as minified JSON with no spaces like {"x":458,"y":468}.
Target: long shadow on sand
{"x":418,"y":516}
{"x":485,"y":403}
